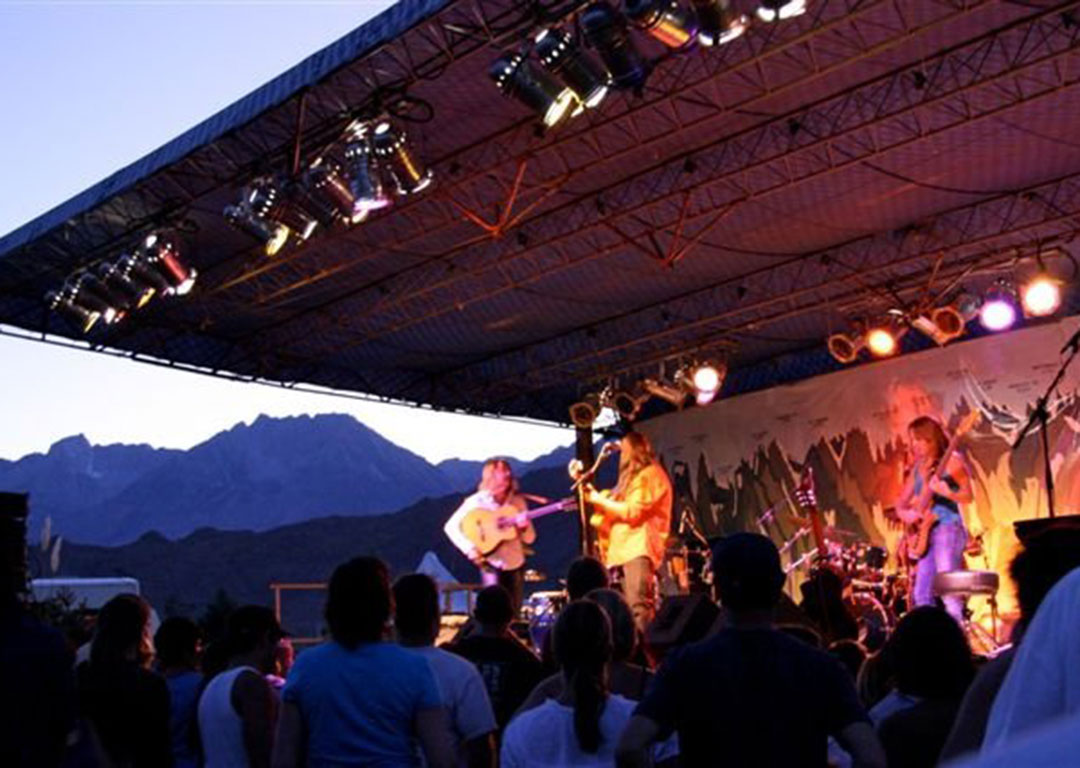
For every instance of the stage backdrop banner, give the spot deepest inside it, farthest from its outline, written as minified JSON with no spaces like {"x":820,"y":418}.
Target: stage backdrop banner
{"x":735,"y":460}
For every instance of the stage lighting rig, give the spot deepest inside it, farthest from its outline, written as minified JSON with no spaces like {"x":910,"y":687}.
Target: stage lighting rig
{"x":118,"y":277}
{"x":779,"y":10}
{"x":845,"y":348}
{"x":560,"y":55}
{"x":326,"y":193}
{"x":706,"y":379}
{"x":882,"y":341}
{"x":392,"y":152}
{"x":586,"y":411}
{"x":606,"y":33}
{"x":663,"y":20}
{"x":998,"y":311}
{"x":718,"y":22}
{"x":671,"y":392}
{"x":63,"y":302}
{"x":517,"y":78}
{"x":941,"y":325}
{"x":1040,"y":296}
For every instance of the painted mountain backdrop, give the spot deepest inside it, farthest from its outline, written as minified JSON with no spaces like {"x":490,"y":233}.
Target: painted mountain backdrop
{"x":273,"y":473}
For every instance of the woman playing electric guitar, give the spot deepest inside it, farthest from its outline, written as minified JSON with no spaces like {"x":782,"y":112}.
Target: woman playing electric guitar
{"x":937,"y":485}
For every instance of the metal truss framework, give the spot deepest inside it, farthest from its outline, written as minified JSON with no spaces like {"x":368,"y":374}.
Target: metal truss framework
{"x":978,"y":236}
{"x":1019,"y":63}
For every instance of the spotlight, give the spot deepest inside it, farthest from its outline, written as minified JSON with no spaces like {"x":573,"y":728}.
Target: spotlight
{"x":718,"y":23}
{"x":62,"y":302}
{"x":1041,"y":296}
{"x":120,"y":281}
{"x":605,"y":31}
{"x":663,"y":20}
{"x":535,"y":88}
{"x":584,"y":413}
{"x":627,"y":404}
{"x":998,"y":311}
{"x":707,"y":379}
{"x":392,"y":151}
{"x":665,"y":391}
{"x":328,"y":195}
{"x":881,"y":342}
{"x":365,"y":183}
{"x":845,"y":348}
{"x":778,"y":10}
{"x":560,"y":55}
{"x":253,"y":215}
{"x":162,"y":254}
{"x":942,"y":324}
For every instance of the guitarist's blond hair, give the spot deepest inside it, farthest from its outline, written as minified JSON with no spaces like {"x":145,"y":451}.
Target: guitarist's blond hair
{"x":487,"y":476}
{"x":635,"y":454}
{"x":928,"y":429}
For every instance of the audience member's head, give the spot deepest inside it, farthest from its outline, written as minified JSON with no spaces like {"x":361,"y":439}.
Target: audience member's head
{"x":177,"y":644}
{"x":253,"y":632}
{"x":416,"y":609}
{"x":747,"y":573}
{"x":930,"y":655}
{"x":582,"y":645}
{"x":623,"y":629}
{"x":360,"y":602}
{"x":851,"y":654}
{"x":494,"y":609}
{"x":585,"y":575}
{"x":122,"y":633}
{"x":284,"y":656}
{"x":1044,"y":560}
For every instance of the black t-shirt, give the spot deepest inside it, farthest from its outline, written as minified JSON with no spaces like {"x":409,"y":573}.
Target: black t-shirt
{"x":914,"y":737}
{"x":752,"y":698}
{"x":509,"y":669}
{"x":129,"y":707}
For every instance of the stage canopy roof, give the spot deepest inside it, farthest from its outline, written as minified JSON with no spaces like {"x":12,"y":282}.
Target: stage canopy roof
{"x":751,"y":199}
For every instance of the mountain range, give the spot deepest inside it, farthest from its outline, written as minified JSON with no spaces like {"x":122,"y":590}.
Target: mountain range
{"x":274,"y":472}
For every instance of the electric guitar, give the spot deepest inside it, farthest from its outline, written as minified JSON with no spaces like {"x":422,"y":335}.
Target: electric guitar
{"x":917,"y":541}
{"x":806,"y":497}
{"x":486,"y":529}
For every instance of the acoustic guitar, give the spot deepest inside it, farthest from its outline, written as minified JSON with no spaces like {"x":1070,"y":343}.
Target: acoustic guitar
{"x":486,"y":529}
{"x":917,"y":541}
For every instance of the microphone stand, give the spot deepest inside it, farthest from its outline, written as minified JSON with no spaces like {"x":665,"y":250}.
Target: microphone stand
{"x":1041,"y":415}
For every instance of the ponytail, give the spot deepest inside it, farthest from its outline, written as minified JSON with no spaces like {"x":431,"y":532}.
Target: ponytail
{"x":582,"y":644}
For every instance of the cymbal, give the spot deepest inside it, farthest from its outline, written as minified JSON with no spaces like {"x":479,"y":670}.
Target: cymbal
{"x":533,"y":575}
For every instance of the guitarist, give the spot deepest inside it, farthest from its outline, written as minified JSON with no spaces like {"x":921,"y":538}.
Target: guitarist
{"x":948,"y":537}
{"x":497,"y":489}
{"x":638,"y":511}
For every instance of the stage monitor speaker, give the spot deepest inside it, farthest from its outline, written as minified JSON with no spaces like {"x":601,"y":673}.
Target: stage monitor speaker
{"x":1025,"y":529}
{"x":681,"y":619}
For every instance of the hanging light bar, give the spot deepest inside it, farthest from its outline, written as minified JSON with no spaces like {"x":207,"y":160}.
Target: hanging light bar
{"x":518,"y":78}
{"x":161,"y":253}
{"x":253,"y":215}
{"x":780,"y":10}
{"x":365,"y":183}
{"x":63,"y":302}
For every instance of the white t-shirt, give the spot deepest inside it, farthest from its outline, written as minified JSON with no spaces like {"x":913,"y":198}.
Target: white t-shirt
{"x":463,"y":695}
{"x":543,"y":737}
{"x":511,"y":550}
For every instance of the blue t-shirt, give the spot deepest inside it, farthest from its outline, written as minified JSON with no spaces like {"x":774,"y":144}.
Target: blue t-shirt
{"x":359,"y":705}
{"x":183,"y":704}
{"x":946,"y":510}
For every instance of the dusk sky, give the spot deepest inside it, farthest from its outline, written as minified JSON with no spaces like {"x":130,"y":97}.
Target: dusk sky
{"x":89,"y":87}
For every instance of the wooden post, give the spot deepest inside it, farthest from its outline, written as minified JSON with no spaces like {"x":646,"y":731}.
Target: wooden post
{"x":584,"y":453}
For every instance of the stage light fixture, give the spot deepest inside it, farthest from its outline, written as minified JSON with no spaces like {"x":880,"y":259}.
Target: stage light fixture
{"x":535,"y":88}
{"x":706,"y":379}
{"x":392,"y":152}
{"x":881,"y":341}
{"x":161,"y":253}
{"x":62,"y":302}
{"x":779,"y":10}
{"x":118,"y":278}
{"x":672,"y":393}
{"x":328,"y":195}
{"x":560,"y":55}
{"x":718,"y":22}
{"x":605,"y":32}
{"x":942,"y":324}
{"x":1040,"y":296}
{"x":998,"y":311}
{"x":844,"y":348}
{"x":253,"y":215}
{"x":627,"y":403}
{"x":586,"y":411}
{"x":365,"y":183}
{"x":663,"y":20}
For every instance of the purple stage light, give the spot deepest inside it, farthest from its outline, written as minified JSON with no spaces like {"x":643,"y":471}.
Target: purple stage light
{"x":997,"y":315}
